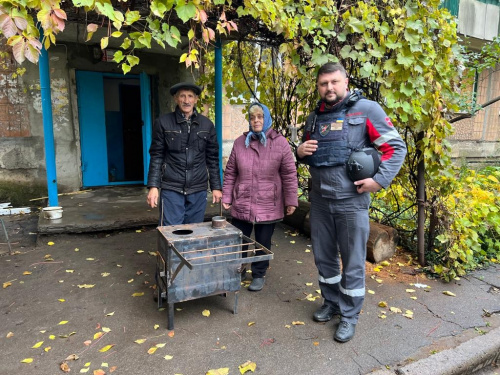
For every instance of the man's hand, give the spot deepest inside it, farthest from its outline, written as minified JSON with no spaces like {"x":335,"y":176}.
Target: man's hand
{"x":290,"y":210}
{"x":307,"y":148}
{"x":226,"y":206}
{"x":153,"y":197}
{"x":216,"y":195}
{"x":368,"y":185}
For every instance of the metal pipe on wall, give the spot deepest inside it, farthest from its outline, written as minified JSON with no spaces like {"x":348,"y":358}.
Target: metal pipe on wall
{"x":48,"y":125}
{"x":218,"y":98}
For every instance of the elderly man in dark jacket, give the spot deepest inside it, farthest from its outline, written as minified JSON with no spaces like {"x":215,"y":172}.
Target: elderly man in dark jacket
{"x":184,"y":158}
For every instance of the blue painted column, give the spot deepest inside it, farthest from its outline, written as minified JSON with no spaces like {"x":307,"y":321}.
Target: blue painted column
{"x":48,"y":126}
{"x":218,"y":98}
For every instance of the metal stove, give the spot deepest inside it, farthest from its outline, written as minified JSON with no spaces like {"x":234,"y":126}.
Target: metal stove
{"x":200,"y":260}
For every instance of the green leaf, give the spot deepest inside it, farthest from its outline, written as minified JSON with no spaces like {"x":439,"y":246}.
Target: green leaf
{"x":356,"y":25}
{"x":126,"y":43}
{"x":186,"y":12}
{"x":83,"y":3}
{"x":405,"y":60}
{"x":126,"y":68}
{"x":104,"y":42}
{"x":145,"y":39}
{"x":116,"y":34}
{"x":132,"y":60}
{"x":118,"y":56}
{"x":132,"y":16}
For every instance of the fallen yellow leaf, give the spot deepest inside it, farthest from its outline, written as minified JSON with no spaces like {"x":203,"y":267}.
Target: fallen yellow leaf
{"x":50,"y":243}
{"x":138,"y":231}
{"x":27,"y":360}
{"x":9,"y":335}
{"x":70,"y":271}
{"x":396,"y":310}
{"x":152,"y":253}
{"x":105,"y":274}
{"x":219,"y":371}
{"x":448,"y":293}
{"x":138,"y":294}
{"x":47,"y":348}
{"x":37,"y":345}
{"x":309,"y":284}
{"x":66,"y":336}
{"x":130,"y":281}
{"x":168,"y":357}
{"x":106,"y":348}
{"x":410,"y":290}
{"x":140,"y":341}
{"x":87,"y":364}
{"x":292,"y":241}
{"x":250,"y":324}
{"x":316,"y":343}
{"x":382,"y":316}
{"x":61,"y":300}
{"x":379,"y":281}
{"x":205,"y":313}
{"x":5,"y":285}
{"x":377,"y":269}
{"x":307,"y":250}
{"x":90,"y":259}
{"x":171,"y":334}
{"x":26,"y":273}
{"x":288,"y":326}
{"x":52,"y":337}
{"x":298,"y":323}
{"x":87,"y":342}
{"x":413,"y":297}
{"x":382,"y":304}
{"x":106,"y":329}
{"x":140,"y":251}
{"x":72,"y":357}
{"x":156,"y":326}
{"x":62,"y":322}
{"x":385,"y":263}
{"x":97,"y":335}
{"x":161,"y":345}
{"x":112,"y":368}
{"x":86,"y":286}
{"x":83,"y":370}
{"x":152,"y":350}
{"x":110,"y":314}
{"x":247,"y":366}
{"x":104,"y":364}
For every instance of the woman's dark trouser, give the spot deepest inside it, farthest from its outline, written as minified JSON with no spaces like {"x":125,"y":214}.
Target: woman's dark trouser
{"x":263,"y":234}
{"x":177,"y":208}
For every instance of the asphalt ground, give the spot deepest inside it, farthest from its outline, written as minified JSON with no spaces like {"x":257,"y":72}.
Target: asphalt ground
{"x":72,"y":295}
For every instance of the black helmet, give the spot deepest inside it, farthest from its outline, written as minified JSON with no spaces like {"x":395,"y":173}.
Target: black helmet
{"x":363,"y":163}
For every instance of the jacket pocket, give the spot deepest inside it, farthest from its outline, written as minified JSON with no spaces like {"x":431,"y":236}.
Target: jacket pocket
{"x":173,"y":139}
{"x":267,"y":195}
{"x":357,"y":128}
{"x":201,"y":140}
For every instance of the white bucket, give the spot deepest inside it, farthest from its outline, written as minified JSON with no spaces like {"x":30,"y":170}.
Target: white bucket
{"x":52,"y":212}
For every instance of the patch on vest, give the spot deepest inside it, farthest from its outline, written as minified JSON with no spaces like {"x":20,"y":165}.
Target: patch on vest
{"x":337,"y":125}
{"x":324,"y":129}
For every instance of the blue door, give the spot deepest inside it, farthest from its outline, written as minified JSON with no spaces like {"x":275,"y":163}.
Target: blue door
{"x":115,"y":127}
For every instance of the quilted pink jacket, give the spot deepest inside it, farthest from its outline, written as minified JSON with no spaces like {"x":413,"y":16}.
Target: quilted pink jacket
{"x":260,"y":181}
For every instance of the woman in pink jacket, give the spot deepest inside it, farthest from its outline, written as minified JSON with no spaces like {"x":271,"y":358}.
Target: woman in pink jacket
{"x":260,"y":183}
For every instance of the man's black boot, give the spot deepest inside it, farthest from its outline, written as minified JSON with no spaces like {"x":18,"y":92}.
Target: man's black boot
{"x":345,"y":331}
{"x":324,"y":313}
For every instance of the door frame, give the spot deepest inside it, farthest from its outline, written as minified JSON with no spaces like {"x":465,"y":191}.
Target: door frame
{"x":98,"y":112}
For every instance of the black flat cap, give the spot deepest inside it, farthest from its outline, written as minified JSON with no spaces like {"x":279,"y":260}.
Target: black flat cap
{"x":185,"y":86}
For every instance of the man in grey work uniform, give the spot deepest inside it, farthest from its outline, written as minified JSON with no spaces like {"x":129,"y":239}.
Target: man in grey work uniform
{"x":344,"y":121}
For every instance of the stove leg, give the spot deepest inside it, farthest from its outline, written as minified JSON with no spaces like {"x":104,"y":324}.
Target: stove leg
{"x":235,"y":309}
{"x":170,"y":325}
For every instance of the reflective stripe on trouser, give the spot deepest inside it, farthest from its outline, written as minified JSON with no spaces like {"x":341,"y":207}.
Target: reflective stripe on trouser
{"x":341,"y":226}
